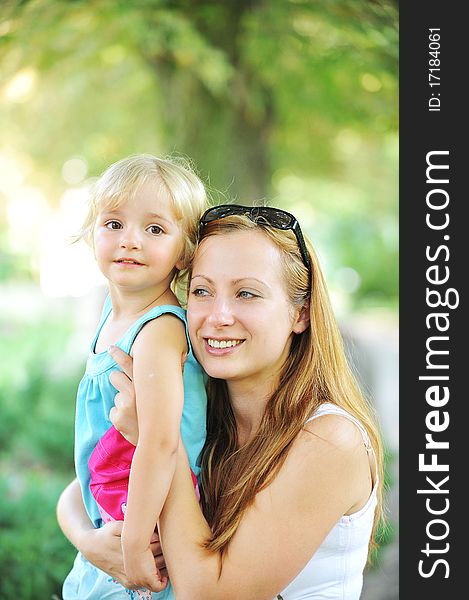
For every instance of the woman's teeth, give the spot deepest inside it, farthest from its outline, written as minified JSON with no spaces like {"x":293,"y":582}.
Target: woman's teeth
{"x":223,"y":343}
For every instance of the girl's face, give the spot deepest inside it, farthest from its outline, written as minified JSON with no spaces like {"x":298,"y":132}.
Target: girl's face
{"x":241,"y":323}
{"x":138,"y":244}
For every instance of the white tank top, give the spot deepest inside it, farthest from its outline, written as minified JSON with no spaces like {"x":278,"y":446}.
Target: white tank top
{"x":335,"y":571}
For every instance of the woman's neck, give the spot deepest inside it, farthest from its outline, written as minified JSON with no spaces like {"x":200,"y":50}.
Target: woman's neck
{"x":248,"y":403}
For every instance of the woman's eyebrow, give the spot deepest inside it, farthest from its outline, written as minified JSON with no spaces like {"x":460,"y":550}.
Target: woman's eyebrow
{"x":241,"y":279}
{"x":203,"y":277}
{"x":234,"y":281}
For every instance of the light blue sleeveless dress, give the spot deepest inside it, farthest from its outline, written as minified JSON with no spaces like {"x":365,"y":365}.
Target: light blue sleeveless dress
{"x":95,"y":399}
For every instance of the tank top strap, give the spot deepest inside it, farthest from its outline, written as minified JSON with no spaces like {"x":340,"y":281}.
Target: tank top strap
{"x":105,"y":312}
{"x":331,"y":409}
{"x":126,"y":342}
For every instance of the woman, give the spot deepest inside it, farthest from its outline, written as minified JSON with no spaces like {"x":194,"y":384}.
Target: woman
{"x":291,"y":469}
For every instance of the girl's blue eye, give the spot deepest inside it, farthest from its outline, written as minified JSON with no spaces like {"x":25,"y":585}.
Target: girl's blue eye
{"x":155,"y":229}
{"x":113,"y":225}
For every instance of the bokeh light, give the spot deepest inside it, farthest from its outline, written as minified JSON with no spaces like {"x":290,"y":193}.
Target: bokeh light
{"x":20,"y":87}
{"x":75,"y":170}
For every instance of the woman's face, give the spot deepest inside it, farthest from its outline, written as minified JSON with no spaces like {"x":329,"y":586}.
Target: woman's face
{"x":240,"y":320}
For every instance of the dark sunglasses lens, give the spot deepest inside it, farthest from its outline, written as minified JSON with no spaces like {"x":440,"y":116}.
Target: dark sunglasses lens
{"x":272,"y":216}
{"x":220,"y":212}
{"x":213,"y":214}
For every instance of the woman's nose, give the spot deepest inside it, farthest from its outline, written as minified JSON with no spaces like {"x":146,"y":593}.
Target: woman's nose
{"x":221,"y":313}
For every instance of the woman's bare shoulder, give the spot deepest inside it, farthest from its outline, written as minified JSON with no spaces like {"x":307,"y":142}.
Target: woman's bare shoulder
{"x":336,"y":430}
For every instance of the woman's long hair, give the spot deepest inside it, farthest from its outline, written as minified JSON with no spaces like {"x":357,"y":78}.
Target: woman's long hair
{"x":316,"y":371}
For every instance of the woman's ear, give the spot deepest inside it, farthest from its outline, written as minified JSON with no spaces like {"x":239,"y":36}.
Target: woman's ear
{"x":302,"y":320}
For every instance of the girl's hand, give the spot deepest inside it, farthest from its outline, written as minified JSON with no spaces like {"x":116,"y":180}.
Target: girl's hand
{"x":142,"y":571}
{"x":123,"y":414}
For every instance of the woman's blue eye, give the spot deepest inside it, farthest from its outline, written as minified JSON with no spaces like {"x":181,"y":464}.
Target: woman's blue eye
{"x":155,"y":229}
{"x":199,"y":292}
{"x":246,"y":294}
{"x":113,"y":225}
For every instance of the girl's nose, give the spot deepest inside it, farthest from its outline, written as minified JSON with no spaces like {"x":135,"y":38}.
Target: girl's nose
{"x":130,"y":240}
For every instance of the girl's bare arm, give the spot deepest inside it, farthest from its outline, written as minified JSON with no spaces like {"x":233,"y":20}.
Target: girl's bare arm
{"x":158,"y":382}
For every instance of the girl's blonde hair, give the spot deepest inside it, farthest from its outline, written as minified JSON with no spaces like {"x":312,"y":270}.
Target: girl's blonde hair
{"x":172,"y":176}
{"x":316,"y":371}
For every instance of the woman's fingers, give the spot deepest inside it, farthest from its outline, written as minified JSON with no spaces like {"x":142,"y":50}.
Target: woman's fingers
{"x":123,"y":360}
{"x":123,"y":414}
{"x":160,"y":563}
{"x":125,"y":421}
{"x":155,"y":547}
{"x":121,"y":382}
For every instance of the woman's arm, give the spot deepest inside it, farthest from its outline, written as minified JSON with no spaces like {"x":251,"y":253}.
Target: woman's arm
{"x":325,"y":472}
{"x":102,"y":547}
{"x":159,"y":392}
{"x":321,"y":479}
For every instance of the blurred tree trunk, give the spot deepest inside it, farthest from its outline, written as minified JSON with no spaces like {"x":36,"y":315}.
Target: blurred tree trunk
{"x":225,"y":131}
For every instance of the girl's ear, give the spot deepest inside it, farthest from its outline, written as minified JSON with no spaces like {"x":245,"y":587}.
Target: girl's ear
{"x":302,"y":320}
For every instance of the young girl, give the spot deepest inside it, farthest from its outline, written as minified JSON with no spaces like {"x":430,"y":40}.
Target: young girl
{"x":142,"y":225}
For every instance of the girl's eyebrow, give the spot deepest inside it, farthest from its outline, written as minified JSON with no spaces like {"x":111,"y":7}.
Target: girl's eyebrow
{"x":158,"y":216}
{"x":115,"y":211}
{"x":111,"y":212}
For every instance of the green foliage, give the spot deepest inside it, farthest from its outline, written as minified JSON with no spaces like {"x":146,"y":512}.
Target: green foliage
{"x":34,"y":555}
{"x":386,"y":530}
{"x":37,"y":398}
{"x":385,"y":534}
{"x":252,"y":91}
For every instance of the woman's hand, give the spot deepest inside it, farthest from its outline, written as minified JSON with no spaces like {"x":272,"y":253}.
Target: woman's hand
{"x":123,"y":414}
{"x":102,"y":547}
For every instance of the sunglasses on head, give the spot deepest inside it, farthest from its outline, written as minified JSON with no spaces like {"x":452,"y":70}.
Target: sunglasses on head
{"x":261,"y":215}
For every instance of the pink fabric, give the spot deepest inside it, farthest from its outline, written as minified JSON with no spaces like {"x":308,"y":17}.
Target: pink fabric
{"x":109,"y":466}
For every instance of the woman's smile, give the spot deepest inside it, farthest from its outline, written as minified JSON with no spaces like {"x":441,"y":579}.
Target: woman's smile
{"x":222,"y":346}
